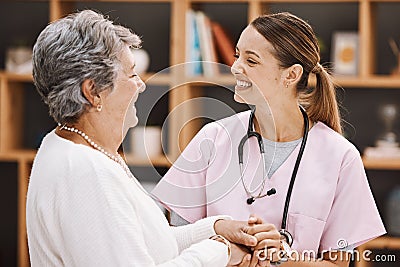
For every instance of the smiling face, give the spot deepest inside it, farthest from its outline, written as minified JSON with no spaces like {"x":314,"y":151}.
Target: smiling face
{"x":119,"y":104}
{"x":257,"y":72}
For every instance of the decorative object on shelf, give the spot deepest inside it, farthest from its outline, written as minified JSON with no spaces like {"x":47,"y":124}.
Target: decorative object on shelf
{"x":142,"y":60}
{"x":387,"y":145}
{"x":19,"y":60}
{"x":345,"y":53}
{"x":146,"y":141}
{"x":393,"y":212}
{"x":396,"y":53}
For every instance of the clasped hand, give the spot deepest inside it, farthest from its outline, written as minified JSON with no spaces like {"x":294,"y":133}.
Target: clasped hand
{"x":254,"y":243}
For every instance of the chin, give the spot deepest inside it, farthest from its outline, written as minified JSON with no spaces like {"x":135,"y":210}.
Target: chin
{"x":134,"y":123}
{"x":238,"y":98}
{"x":130,"y":123}
{"x":131,"y":120}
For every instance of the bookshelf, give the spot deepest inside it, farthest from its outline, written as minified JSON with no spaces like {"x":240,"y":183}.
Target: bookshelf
{"x":384,"y":242}
{"x":164,"y":32}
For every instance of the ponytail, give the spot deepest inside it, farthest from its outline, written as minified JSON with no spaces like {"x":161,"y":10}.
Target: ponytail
{"x":320,"y":103}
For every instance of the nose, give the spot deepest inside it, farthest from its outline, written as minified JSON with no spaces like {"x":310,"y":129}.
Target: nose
{"x":236,"y":68}
{"x":141,"y":85}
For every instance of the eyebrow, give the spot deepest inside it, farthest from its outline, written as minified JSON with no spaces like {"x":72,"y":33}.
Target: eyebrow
{"x":131,"y":68}
{"x":249,"y":52}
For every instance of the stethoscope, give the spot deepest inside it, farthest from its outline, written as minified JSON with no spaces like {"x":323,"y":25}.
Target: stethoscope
{"x":250,"y":133}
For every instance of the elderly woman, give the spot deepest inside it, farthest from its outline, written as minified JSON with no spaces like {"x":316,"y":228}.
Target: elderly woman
{"x":84,"y":207}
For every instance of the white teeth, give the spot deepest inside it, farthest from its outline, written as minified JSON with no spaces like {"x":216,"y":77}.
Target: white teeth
{"x":243,"y":83}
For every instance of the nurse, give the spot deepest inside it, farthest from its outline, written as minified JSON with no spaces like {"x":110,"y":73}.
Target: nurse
{"x":310,"y":182}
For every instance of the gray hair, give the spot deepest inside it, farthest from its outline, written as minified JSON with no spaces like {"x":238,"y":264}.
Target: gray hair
{"x":81,"y":46}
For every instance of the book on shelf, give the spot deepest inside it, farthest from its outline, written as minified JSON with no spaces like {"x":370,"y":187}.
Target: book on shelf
{"x":206,"y":41}
{"x":207,"y":48}
{"x":224,"y":43}
{"x":193,"y":53}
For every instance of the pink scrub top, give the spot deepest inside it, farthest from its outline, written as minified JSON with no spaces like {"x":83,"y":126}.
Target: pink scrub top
{"x":331,"y":200}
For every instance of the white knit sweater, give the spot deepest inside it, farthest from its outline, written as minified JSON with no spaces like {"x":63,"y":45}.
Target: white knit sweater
{"x":83,"y":210}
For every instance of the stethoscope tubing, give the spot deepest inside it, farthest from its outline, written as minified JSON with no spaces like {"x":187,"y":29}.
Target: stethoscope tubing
{"x":295,"y":169}
{"x":251,"y":133}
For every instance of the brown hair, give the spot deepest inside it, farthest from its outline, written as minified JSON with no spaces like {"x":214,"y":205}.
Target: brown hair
{"x":295,"y":42}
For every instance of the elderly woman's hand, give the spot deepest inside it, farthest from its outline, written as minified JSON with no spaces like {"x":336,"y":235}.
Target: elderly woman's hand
{"x":236,"y":232}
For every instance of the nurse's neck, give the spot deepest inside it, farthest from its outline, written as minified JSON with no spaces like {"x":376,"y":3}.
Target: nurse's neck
{"x":281,"y":123}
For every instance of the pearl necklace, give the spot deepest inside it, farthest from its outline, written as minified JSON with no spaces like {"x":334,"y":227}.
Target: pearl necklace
{"x":118,"y":159}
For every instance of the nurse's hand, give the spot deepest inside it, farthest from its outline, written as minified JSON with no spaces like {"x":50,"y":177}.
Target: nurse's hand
{"x":252,"y":260}
{"x":268,"y":240}
{"x":236,"y":232}
{"x":240,"y":257}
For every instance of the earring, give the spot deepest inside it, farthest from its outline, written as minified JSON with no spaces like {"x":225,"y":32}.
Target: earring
{"x":287,"y":85}
{"x":99,"y":107}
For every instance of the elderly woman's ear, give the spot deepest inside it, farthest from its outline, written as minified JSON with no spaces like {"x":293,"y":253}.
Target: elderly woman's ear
{"x":89,"y":93}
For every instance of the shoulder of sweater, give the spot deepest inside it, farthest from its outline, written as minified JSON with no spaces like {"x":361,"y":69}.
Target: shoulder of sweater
{"x":65,"y":155}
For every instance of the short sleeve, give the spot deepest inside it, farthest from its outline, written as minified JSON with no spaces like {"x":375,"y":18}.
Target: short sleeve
{"x":183,"y":188}
{"x":354,"y":218}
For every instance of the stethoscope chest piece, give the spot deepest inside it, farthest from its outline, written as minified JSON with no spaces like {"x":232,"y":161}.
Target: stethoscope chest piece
{"x":286,"y":236}
{"x":250,"y":200}
{"x":286,"y":244}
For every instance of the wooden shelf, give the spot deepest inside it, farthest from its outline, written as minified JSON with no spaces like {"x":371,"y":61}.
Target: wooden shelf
{"x":15,"y":77}
{"x":381,"y":164}
{"x":18,"y":155}
{"x":384,"y":242}
{"x":156,"y":78}
{"x":223,"y":79}
{"x":220,"y":1}
{"x":369,"y":82}
{"x":311,"y":1}
{"x":119,"y":1}
{"x":374,"y":81}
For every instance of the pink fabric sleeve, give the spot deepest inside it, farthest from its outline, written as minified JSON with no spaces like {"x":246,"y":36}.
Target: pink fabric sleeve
{"x":354,"y":218}
{"x":183,"y":188}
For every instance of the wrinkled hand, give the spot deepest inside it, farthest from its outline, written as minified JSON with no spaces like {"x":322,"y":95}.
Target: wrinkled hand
{"x":236,"y":232}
